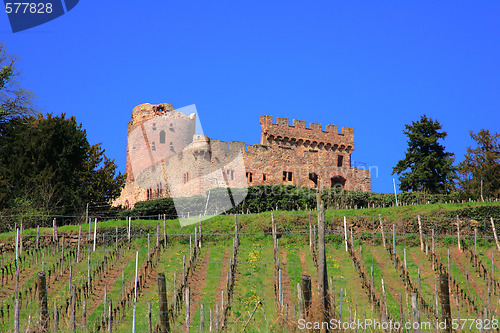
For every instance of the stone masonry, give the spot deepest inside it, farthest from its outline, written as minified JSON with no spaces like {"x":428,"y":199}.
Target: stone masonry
{"x":162,"y":145}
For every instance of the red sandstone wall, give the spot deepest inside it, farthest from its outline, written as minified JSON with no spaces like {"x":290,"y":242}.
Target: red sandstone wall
{"x":198,"y":164}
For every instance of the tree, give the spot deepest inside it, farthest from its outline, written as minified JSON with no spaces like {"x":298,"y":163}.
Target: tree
{"x":430,"y":167}
{"x":49,"y":164}
{"x":14,"y":100}
{"x":482,"y":162}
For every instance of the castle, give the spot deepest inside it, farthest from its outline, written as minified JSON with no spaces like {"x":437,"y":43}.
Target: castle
{"x":166,"y":158}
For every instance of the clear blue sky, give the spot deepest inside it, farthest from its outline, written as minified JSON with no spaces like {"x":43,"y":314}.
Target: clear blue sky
{"x":374,"y":66}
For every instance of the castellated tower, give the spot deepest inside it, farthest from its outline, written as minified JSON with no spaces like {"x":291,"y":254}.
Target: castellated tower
{"x":162,"y":145}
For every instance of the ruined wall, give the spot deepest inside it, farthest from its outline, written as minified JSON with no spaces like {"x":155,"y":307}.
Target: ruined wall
{"x":155,"y":133}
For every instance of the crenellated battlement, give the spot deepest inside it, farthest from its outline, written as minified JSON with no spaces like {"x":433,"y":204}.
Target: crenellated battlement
{"x":300,"y":132}
{"x":163,"y":147}
{"x":267,"y":121}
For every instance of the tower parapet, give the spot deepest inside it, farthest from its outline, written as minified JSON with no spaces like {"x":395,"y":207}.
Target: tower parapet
{"x":299,"y":134}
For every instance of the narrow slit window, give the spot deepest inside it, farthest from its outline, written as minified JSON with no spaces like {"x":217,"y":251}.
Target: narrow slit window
{"x":340,"y":160}
{"x":287,"y":176}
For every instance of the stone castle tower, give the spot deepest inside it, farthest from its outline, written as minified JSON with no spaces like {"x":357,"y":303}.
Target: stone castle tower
{"x":165,"y":158}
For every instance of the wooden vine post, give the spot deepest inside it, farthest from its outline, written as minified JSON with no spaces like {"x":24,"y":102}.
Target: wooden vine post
{"x":163,"y":306}
{"x":495,"y":234}
{"x":322,"y":270}
{"x":382,"y":229}
{"x":42,"y":303}
{"x":420,"y":232}
{"x":444,"y":295}
{"x":306,"y":292}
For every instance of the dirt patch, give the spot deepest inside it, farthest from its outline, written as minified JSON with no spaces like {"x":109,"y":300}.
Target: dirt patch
{"x":97,"y":294}
{"x":285,"y":280}
{"x":459,"y":257}
{"x":302,"y":257}
{"x":388,"y":280}
{"x":197,"y":282}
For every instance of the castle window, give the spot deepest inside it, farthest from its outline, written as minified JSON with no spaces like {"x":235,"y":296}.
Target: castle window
{"x":172,"y":147}
{"x":162,"y":136}
{"x":154,"y":126}
{"x":264,"y":177}
{"x":230,"y":174}
{"x":249,"y":177}
{"x":340,"y":160}
{"x":186,"y":177}
{"x":172,"y":127}
{"x":287,"y":176}
{"x":153,"y":147}
{"x":314,"y":177}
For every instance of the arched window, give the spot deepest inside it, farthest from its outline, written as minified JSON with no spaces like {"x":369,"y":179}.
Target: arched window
{"x":162,"y":136}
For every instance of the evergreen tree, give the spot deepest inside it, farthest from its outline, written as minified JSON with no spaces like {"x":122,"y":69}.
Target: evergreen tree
{"x":482,"y":162}
{"x":47,"y":164}
{"x":426,"y":166}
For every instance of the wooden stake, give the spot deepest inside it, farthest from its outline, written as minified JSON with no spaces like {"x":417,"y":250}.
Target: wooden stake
{"x":110,"y":317}
{"x":95,"y":232}
{"x":244,"y":327}
{"x":84,"y":315}
{"x":136,"y":271}
{"x":202,"y":319}
{"x":345,"y":234}
{"x":458,"y":234}
{"x":37,"y":237}
{"x":382,"y":230}
{"x":163,"y":304}
{"x":150,"y":321}
{"x":306,"y":292}
{"x":188,"y":306}
{"x":56,"y":318}
{"x":73,"y":309}
{"x":42,"y":302}
{"x":300,"y":301}
{"x":421,"y":235}
{"x":16,"y":315}
{"x":445,"y":301}
{"x":495,"y":234}
{"x":322,"y":269}
{"x":415,"y":313}
{"x":165,"y":229}
{"x":78,"y":246}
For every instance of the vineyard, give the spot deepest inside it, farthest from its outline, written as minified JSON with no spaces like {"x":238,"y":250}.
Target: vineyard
{"x":253,"y":273}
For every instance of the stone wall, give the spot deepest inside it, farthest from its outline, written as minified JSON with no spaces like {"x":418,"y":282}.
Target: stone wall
{"x":193,"y":164}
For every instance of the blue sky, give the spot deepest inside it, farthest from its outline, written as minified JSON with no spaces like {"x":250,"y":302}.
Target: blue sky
{"x":374,"y":66}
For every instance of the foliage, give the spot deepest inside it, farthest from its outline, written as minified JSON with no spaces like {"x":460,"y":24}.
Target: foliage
{"x":482,"y":162}
{"x":478,"y":213}
{"x":49,"y":162}
{"x":430,"y":167}
{"x":284,"y":197}
{"x":14,"y":100}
